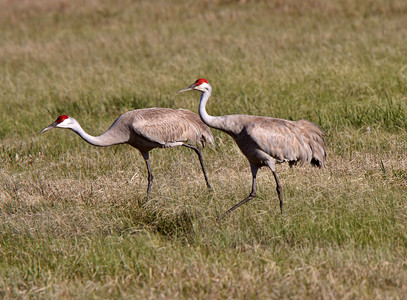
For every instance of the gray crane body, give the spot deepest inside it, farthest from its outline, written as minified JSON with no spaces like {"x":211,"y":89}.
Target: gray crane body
{"x":267,"y":140}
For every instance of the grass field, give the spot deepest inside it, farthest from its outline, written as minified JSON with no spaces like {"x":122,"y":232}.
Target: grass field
{"x":73,"y":225}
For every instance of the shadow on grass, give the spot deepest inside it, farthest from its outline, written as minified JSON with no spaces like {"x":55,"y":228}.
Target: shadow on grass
{"x":178,"y":225}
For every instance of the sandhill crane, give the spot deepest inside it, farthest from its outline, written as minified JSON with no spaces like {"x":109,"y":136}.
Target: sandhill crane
{"x":146,"y":129}
{"x":266,"y":141}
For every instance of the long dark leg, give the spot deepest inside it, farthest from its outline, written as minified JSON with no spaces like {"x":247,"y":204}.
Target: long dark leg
{"x":198,"y":152}
{"x":150,"y":175}
{"x":248,"y":198}
{"x":279,"y":189}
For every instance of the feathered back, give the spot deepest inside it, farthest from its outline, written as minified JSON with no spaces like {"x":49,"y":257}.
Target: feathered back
{"x":286,"y":141}
{"x":166,"y":125}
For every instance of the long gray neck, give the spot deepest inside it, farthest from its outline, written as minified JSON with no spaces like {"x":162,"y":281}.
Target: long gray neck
{"x":106,"y":139}
{"x":215,"y":122}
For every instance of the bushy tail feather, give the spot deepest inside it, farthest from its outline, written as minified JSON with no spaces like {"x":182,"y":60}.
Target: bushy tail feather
{"x":316,"y":142}
{"x":203,"y":134}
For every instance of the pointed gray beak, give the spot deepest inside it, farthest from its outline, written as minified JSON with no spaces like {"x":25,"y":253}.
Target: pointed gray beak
{"x":53,"y":125}
{"x":190,"y":88}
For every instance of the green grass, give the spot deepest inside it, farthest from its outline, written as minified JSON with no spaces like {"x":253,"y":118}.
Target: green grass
{"x":73,"y":225}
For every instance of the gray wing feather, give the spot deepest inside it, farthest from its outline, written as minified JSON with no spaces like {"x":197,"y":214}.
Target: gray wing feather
{"x":293,"y":141}
{"x":199,"y":131}
{"x":165,"y":125}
